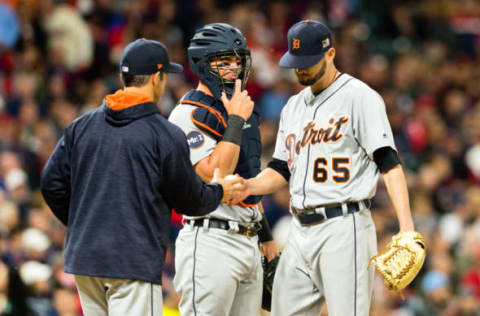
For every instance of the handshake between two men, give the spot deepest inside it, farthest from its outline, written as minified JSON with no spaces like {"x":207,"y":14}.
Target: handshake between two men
{"x":235,"y":188}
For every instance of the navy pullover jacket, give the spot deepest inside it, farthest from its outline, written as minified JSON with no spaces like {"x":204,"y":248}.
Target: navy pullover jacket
{"x":112,"y":180}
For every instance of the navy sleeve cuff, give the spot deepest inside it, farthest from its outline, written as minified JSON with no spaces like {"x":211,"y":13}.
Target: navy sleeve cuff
{"x":218,"y":187}
{"x":281,"y":167}
{"x":386,"y":158}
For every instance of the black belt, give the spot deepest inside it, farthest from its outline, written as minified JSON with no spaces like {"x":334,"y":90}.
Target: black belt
{"x":222,"y":224}
{"x":313,"y":215}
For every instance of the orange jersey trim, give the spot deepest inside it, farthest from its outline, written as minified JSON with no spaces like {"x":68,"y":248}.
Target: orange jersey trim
{"x":205,"y":126}
{"x":247,"y":205}
{"x":213,"y":111}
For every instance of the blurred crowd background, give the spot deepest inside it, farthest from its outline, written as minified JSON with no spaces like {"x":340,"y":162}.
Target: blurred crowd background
{"x":59,"y":58}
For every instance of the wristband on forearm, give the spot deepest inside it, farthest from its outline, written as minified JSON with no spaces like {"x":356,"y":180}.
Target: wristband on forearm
{"x":233,"y":133}
{"x":265,"y":234}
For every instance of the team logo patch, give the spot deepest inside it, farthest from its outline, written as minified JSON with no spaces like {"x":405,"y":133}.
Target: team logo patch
{"x":326,"y":43}
{"x":195,"y":139}
{"x":246,"y":125}
{"x":296,"y":43}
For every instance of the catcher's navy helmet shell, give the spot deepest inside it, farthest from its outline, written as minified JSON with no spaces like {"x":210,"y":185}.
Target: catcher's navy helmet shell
{"x":216,"y":40}
{"x":308,"y":41}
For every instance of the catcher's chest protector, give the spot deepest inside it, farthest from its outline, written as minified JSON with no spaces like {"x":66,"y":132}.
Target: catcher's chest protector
{"x":211,"y":117}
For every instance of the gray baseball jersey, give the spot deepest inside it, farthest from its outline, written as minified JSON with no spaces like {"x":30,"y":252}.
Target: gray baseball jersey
{"x":218,"y":272}
{"x":201,"y":146}
{"x":328,"y":141}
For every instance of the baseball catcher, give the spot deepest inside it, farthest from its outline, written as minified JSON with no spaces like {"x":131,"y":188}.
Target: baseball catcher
{"x":217,"y":258}
{"x":401,"y":261}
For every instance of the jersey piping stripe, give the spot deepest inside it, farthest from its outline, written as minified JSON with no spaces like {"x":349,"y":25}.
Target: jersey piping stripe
{"x":309,"y":145}
{"x":318,"y":106}
{"x":355,"y":264}
{"x":213,"y":111}
{"x":193,"y":273}
{"x":151,"y":299}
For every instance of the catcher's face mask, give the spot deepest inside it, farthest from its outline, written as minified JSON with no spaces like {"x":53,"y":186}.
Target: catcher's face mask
{"x":226,"y":67}
{"x":206,"y":48}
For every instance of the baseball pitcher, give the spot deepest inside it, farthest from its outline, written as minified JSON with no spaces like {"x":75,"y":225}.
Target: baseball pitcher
{"x":334,"y":140}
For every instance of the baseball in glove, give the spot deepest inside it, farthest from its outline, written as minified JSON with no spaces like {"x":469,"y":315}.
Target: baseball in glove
{"x":269,"y":269}
{"x":401,"y":261}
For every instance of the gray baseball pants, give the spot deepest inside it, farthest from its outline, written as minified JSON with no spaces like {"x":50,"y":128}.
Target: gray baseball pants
{"x":119,"y":297}
{"x":218,"y":273}
{"x":327,"y":263}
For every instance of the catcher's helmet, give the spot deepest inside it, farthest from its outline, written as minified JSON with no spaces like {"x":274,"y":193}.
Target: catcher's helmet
{"x":213,"y":41}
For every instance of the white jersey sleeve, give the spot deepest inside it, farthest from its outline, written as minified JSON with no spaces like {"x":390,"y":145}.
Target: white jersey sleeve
{"x":201,"y":144}
{"x":371,"y":126}
{"x":281,"y":152}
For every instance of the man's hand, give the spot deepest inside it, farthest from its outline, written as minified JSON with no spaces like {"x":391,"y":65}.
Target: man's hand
{"x":240,"y":104}
{"x":231,"y":184}
{"x":269,"y":250}
{"x":240,"y":194}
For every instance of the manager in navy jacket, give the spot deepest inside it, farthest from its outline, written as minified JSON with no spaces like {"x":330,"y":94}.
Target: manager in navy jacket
{"x":112,"y":180}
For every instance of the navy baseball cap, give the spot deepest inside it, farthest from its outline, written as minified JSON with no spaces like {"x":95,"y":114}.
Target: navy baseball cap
{"x":308,"y":41}
{"x":145,"y":57}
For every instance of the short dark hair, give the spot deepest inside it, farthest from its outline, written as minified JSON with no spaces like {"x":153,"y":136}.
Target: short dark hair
{"x":136,"y":80}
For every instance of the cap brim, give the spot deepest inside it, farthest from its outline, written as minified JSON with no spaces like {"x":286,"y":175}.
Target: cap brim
{"x":292,"y":61}
{"x":173,"y":67}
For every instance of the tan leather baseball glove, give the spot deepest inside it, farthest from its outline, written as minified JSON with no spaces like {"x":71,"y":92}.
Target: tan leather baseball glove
{"x":401,"y":261}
